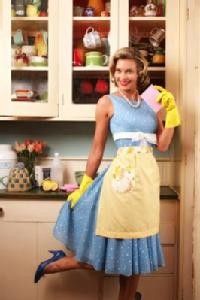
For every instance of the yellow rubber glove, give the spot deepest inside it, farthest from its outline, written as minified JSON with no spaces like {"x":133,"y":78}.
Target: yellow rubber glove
{"x":74,"y":197}
{"x":167,"y":100}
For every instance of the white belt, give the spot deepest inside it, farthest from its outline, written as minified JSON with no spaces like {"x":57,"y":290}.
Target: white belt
{"x":136,"y":136}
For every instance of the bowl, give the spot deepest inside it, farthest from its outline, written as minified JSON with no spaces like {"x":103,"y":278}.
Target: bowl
{"x":38,"y":61}
{"x":23,"y":93}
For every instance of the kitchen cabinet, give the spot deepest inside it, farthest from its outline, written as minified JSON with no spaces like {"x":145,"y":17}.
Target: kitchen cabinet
{"x":29,"y":68}
{"x":125,"y":26}
{"x":163,"y":283}
{"x":72,"y":79}
{"x":26,"y":235}
{"x":79,"y":82}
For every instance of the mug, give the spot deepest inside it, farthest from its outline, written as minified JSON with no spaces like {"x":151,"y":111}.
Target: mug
{"x":156,"y":36}
{"x":95,"y":58}
{"x":91,"y":39}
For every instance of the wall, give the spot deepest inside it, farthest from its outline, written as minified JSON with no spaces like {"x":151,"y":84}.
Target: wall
{"x":70,"y":139}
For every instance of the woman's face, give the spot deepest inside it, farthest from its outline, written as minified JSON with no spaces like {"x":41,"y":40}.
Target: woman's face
{"x":126,"y":75}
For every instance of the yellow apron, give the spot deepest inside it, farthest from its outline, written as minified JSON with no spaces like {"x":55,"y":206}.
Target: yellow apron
{"x":129,"y":198}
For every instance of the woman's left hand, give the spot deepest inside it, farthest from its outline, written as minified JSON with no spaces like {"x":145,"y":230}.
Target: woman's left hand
{"x":167,"y":100}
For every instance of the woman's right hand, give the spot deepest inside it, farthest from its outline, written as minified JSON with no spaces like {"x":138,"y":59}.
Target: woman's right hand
{"x":74,"y":197}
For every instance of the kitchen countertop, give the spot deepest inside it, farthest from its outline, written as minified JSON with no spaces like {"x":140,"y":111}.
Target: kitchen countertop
{"x":166,"y":192}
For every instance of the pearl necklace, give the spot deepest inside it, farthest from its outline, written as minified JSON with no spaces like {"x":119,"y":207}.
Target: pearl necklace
{"x":131,"y":103}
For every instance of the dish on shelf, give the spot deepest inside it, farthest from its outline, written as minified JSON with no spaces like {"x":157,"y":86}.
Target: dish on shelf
{"x":38,"y":61}
{"x":24,"y":93}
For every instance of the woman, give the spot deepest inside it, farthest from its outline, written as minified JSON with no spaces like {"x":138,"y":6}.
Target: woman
{"x":111,"y":223}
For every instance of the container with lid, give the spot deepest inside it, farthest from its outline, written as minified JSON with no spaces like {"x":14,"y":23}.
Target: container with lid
{"x":8,"y":160}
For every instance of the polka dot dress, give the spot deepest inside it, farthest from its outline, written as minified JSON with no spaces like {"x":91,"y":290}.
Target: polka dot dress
{"x":75,"y":228}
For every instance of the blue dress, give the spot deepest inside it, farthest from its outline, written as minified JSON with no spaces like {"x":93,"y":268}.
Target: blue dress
{"x":75,"y":228}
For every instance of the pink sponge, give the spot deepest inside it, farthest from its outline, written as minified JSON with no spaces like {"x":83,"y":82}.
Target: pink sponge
{"x":149,"y":96}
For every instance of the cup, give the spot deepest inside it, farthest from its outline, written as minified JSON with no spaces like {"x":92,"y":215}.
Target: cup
{"x":95,"y":58}
{"x":78,"y":57}
{"x":157,"y":35}
{"x":91,"y":39}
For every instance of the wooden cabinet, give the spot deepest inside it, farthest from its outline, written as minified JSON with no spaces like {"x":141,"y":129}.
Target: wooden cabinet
{"x":29,"y":68}
{"x":122,"y":28}
{"x":79,"y":79}
{"x":26,"y":236}
{"x":69,"y":86}
{"x":163,"y":283}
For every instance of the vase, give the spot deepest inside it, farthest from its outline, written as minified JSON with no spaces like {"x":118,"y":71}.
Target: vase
{"x":29,"y":164}
{"x":97,"y":5}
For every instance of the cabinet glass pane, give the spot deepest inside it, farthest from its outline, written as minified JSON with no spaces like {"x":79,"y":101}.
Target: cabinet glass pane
{"x":29,"y":50}
{"x":91,"y":50}
{"x":147,"y":33}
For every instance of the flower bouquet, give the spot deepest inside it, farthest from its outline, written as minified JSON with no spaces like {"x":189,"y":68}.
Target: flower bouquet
{"x":27,"y":152}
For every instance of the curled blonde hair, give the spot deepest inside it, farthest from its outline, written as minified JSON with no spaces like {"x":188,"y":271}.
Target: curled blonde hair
{"x":141,"y":64}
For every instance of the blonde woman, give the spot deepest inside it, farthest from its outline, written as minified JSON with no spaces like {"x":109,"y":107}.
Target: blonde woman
{"x":111,"y":223}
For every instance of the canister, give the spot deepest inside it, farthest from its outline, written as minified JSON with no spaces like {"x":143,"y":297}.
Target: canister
{"x":8,"y":160}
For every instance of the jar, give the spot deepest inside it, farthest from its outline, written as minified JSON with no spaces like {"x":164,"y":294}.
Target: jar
{"x":8,"y":160}
{"x":159,"y":57}
{"x":19,"y":8}
{"x":89,"y":11}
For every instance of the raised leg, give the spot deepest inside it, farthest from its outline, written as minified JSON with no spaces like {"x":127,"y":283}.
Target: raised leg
{"x":128,"y":287}
{"x":66,"y":263}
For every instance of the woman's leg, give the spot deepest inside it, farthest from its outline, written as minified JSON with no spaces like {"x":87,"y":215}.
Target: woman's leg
{"x":66,"y":263}
{"x":128,"y":287}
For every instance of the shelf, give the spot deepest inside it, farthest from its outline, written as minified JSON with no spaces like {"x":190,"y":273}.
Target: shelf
{"x":91,"y":68}
{"x":89,"y":19}
{"x":156,"y":69}
{"x":30,"y":69}
{"x":147,"y":19}
{"x":38,"y":19}
{"x":106,"y":68}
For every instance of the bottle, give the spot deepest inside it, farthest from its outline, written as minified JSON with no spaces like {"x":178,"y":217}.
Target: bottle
{"x":57,"y":169}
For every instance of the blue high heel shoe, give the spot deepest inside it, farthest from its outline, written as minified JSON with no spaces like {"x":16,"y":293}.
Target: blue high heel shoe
{"x":57,"y":254}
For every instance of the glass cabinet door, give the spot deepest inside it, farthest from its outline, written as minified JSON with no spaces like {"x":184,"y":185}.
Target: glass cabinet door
{"x":152,"y":28}
{"x":30,"y":52}
{"x":93,"y":35}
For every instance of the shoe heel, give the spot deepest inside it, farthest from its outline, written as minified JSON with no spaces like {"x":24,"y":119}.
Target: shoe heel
{"x":59,"y":253}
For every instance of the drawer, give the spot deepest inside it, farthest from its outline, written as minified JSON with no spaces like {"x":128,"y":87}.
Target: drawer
{"x":168,"y":211}
{"x":170,"y":261}
{"x":30,"y":211}
{"x":168,"y":233}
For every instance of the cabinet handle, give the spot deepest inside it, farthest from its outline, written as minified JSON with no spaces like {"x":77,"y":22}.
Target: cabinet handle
{"x":1,"y":212}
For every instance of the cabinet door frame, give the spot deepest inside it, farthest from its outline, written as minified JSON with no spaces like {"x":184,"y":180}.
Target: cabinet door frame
{"x":69,"y":110}
{"x":29,"y":109}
